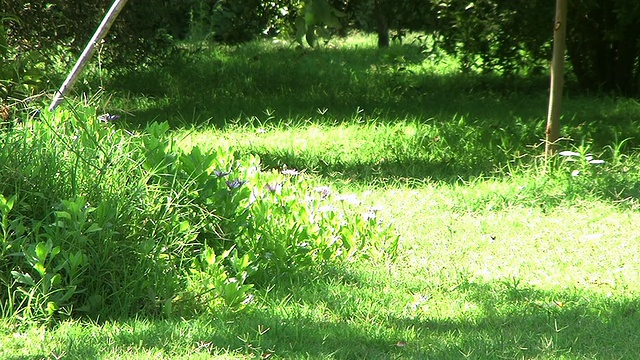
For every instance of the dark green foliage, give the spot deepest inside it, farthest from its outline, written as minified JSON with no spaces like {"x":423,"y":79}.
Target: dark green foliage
{"x":603,"y":43}
{"x":141,"y":34}
{"x":603,"y":39}
{"x":492,"y":35}
{"x":414,"y":15}
{"x":488,"y":35}
{"x":233,"y":21}
{"x":317,"y":18}
{"x":21,"y":73}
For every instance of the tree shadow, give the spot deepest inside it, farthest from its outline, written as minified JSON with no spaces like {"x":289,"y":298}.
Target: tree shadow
{"x":218,"y":85}
{"x":268,"y":84}
{"x":409,"y":171}
{"x":495,"y":320}
{"x":278,"y":83}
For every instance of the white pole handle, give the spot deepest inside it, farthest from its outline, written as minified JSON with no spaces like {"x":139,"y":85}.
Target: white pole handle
{"x":88,"y":52}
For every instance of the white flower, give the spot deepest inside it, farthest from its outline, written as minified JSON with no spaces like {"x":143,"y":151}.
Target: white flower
{"x":596,"y":161}
{"x":248,"y":299}
{"x":326,"y":208}
{"x":568,"y":153}
{"x":369,"y":215}
{"x":108,"y":117}
{"x":349,"y":198}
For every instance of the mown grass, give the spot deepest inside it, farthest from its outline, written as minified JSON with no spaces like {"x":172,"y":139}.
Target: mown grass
{"x":502,"y":255}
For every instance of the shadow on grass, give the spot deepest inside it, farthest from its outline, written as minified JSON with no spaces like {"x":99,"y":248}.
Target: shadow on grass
{"x":217,"y":85}
{"x":503,"y":321}
{"x":408,"y":171}
{"x":320,"y":321}
{"x":282,"y":85}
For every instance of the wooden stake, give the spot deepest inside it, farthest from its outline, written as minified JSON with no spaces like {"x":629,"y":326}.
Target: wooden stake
{"x":88,"y":52}
{"x":557,"y":81}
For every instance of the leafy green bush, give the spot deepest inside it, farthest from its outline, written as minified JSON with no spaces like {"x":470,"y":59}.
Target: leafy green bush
{"x":232,"y":21}
{"x":100,"y":221}
{"x":138,"y":37}
{"x":602,"y":44}
{"x":495,"y":35}
{"x":21,"y":73}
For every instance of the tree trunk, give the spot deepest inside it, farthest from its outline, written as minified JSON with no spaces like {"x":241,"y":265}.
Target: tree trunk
{"x":604,"y":49}
{"x":381,"y":24}
{"x":557,"y":81}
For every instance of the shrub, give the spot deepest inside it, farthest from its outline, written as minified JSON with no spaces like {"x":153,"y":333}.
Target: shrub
{"x":100,"y":221}
{"x":21,"y":73}
{"x":138,"y":37}
{"x":232,"y":21}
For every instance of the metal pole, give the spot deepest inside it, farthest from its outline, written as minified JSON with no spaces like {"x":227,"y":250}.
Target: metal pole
{"x":88,"y":52}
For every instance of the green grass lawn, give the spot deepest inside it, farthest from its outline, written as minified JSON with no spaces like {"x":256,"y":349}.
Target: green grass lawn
{"x":502,"y":256}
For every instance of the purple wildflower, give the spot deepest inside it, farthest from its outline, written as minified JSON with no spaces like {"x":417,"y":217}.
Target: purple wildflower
{"x":324,"y":191}
{"x":234,"y":184}
{"x":108,"y":117}
{"x":275,"y":187}
{"x":220,"y":173}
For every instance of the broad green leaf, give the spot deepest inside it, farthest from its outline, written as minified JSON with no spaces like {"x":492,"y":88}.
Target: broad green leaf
{"x":10,"y":202}
{"x":39,"y":267}
{"x":56,"y":280}
{"x":93,"y":228}
{"x":209,"y":256}
{"x":55,"y":251}
{"x":23,"y":278}
{"x":184,"y":226}
{"x":42,"y":250}
{"x":63,"y":215}
{"x":71,"y":290}
{"x":52,"y":307}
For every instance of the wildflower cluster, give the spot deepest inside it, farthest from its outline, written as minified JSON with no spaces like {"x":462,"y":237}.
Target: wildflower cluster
{"x":583,"y":161}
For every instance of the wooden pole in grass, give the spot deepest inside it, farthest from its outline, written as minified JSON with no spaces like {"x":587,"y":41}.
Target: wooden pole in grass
{"x":88,"y":52}
{"x":557,"y":82}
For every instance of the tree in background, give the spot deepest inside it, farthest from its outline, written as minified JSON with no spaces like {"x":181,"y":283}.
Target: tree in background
{"x":382,"y":24}
{"x":140,"y":35}
{"x":603,"y":38}
{"x":495,"y":35}
{"x":552,"y":132}
{"x":502,"y":36}
{"x":238,"y":21}
{"x":603,"y":44}
{"x":389,"y":19}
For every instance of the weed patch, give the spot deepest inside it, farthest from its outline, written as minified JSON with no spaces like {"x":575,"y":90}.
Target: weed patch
{"x":118,"y":223}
